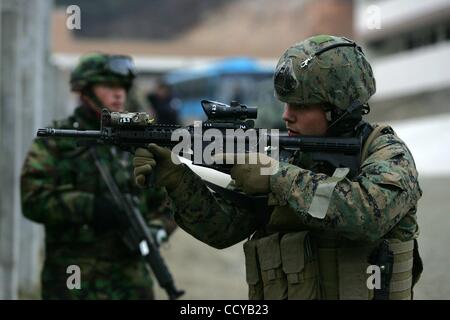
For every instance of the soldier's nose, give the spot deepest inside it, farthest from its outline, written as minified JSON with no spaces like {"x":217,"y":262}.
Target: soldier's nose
{"x":288,"y":115}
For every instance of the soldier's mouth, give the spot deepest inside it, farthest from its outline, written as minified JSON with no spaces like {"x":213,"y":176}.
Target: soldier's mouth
{"x":292,"y":132}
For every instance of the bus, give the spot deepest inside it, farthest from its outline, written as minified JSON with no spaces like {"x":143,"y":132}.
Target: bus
{"x":239,"y":79}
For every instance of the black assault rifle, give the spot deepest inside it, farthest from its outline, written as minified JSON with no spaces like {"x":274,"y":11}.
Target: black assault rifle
{"x":135,"y":232}
{"x":129,"y":131}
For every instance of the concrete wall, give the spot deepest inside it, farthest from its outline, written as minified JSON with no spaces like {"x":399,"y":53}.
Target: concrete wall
{"x":397,"y":16}
{"x":25,"y":75}
{"x":412,"y":81}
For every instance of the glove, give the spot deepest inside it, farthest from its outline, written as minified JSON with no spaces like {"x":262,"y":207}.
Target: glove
{"x":157,"y":160}
{"x":252,"y":178}
{"x":106,"y":214}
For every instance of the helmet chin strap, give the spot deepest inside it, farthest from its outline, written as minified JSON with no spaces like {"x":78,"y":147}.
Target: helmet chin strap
{"x":347,"y":120}
{"x":93,"y":100}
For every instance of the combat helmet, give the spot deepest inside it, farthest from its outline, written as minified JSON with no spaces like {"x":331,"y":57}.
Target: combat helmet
{"x":327,"y":70}
{"x":102,"y":68}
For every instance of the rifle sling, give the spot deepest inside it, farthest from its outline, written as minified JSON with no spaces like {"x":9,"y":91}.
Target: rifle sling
{"x":242,"y":200}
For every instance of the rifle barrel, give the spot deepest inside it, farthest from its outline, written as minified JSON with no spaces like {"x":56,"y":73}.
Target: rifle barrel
{"x":52,"y":132}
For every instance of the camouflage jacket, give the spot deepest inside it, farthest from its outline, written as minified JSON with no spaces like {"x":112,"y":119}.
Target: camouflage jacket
{"x":380,"y":202}
{"x":59,"y":183}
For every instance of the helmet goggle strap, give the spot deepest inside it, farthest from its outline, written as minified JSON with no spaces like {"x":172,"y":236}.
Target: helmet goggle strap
{"x":327,"y":48}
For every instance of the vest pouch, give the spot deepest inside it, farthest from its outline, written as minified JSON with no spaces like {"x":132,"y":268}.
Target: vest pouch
{"x":343,"y":266}
{"x":352,"y":272}
{"x":299,"y":266}
{"x":273,"y":277}
{"x":417,"y":266}
{"x":252,"y":269}
{"x":402,"y":271}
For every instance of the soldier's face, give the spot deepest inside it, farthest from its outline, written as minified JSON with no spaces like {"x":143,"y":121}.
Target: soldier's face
{"x":308,"y":120}
{"x":111,"y":96}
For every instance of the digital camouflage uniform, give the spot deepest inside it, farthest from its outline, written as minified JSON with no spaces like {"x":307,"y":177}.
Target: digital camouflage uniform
{"x":59,"y":185}
{"x":323,"y":228}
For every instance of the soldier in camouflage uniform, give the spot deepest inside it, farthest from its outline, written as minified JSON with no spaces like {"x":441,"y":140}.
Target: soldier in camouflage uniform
{"x":62,"y":189}
{"x":327,"y":231}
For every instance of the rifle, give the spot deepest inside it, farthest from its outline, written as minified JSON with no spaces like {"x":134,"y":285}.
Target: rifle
{"x":136,"y":234}
{"x":129,"y":131}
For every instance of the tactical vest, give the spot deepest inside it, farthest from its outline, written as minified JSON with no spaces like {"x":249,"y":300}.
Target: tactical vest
{"x":287,"y":261}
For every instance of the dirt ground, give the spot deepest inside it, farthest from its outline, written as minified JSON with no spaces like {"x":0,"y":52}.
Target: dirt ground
{"x":434,"y":221}
{"x":208,"y":273}
{"x":205,"y":272}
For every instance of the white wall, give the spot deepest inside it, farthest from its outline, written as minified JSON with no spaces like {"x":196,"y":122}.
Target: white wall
{"x":410,"y":75}
{"x":24,"y":105}
{"x":428,"y":139}
{"x":410,"y":72}
{"x":397,"y":15}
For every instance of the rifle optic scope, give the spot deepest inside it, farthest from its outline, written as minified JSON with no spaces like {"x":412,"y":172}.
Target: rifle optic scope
{"x":220,"y":111}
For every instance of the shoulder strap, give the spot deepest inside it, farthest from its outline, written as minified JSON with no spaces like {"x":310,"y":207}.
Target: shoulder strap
{"x":378,"y":130}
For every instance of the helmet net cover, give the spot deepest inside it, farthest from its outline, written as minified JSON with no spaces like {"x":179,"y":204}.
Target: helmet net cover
{"x":102,"y":68}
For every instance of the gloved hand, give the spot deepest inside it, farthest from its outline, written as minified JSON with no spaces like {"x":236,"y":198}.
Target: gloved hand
{"x":252,"y":178}
{"x":106,"y":214}
{"x":158,"y":161}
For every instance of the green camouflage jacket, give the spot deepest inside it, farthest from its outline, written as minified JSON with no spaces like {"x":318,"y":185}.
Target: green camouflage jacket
{"x":59,"y":183}
{"x":380,"y":202}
